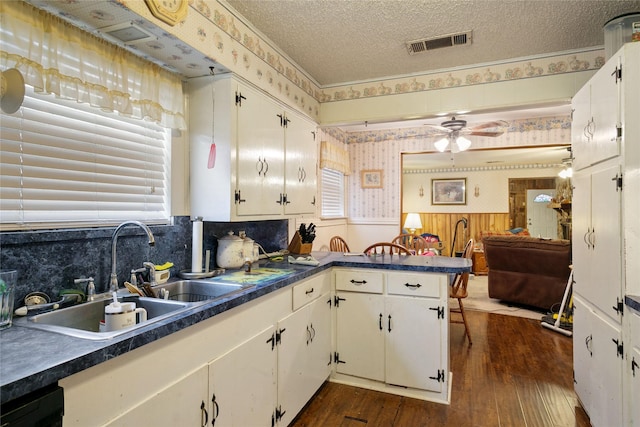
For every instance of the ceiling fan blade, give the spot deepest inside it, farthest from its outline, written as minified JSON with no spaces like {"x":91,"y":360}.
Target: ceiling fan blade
{"x":442,"y":129}
{"x":483,"y":133}
{"x":487,"y":125}
{"x":424,"y":135}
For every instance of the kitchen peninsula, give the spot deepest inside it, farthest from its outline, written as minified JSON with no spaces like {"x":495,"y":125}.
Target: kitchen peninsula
{"x":137,"y":367}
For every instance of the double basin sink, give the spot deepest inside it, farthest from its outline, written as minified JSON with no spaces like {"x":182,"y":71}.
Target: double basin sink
{"x":83,"y":320}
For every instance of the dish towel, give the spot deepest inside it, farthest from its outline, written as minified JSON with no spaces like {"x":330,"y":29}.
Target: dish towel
{"x":306,"y":260}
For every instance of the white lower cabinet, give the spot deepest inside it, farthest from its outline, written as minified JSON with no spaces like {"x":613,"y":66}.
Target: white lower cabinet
{"x":183,"y":403}
{"x":260,"y":363}
{"x":304,"y":356}
{"x":598,"y":364}
{"x":632,"y":371}
{"x":392,"y":333}
{"x":242,"y":383}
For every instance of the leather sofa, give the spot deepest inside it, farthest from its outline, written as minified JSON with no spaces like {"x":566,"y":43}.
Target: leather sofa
{"x":527,"y":270}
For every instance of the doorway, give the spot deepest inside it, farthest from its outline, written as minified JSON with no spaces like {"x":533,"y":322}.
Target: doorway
{"x":518,"y":198}
{"x":542,"y":221}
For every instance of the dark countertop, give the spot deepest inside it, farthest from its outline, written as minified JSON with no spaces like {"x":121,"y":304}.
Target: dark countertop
{"x":31,"y":359}
{"x":633,"y":302}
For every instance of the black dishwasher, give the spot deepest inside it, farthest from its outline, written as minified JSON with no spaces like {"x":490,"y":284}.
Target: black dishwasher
{"x":43,"y":407}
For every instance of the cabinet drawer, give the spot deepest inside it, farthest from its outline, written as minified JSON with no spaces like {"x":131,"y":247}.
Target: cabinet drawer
{"x":360,"y":281}
{"x":309,"y":290}
{"x":415,"y":284}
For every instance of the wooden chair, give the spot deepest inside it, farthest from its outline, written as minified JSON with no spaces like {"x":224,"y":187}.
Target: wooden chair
{"x":415,"y":243}
{"x":459,"y":292}
{"x":386,"y":248}
{"x":338,"y":244}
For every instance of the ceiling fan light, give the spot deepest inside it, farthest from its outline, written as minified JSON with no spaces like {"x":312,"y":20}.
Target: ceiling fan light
{"x":441,"y":145}
{"x":463,"y":143}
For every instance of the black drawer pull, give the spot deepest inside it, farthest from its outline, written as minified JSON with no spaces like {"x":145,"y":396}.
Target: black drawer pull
{"x":358,"y":282}
{"x":409,"y":285}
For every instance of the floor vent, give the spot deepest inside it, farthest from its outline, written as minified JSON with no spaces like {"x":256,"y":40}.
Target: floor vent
{"x":423,"y":45}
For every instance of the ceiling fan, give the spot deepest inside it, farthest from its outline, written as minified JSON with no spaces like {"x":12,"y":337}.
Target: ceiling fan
{"x":454,"y":129}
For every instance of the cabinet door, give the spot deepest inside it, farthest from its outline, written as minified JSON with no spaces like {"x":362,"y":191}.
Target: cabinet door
{"x":605,"y":110}
{"x":300,"y":174}
{"x":598,"y":365}
{"x":634,"y":408}
{"x":260,"y":155}
{"x":303,"y":356}
{"x":606,"y":373}
{"x":293,"y":359}
{"x":582,"y":352}
{"x":184,"y":403}
{"x":242,"y":383}
{"x":360,"y":335}
{"x":581,"y":233}
{"x":633,"y":372}
{"x":596,"y":238}
{"x":320,"y":341}
{"x":581,"y":128}
{"x":414,"y":343}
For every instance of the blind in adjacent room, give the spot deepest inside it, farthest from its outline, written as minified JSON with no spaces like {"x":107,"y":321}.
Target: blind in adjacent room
{"x":64,"y":163}
{"x":332,"y":193}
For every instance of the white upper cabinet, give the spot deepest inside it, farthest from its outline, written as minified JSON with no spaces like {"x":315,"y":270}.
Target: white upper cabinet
{"x":595,"y":129}
{"x":251,"y":157}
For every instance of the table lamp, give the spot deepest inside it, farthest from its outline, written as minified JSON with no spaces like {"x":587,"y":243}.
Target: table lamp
{"x":412,"y":222}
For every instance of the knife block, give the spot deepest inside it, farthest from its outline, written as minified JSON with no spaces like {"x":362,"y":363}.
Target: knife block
{"x":297,"y":247}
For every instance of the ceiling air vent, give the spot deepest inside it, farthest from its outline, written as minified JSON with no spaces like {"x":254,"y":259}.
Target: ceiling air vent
{"x":423,"y":45}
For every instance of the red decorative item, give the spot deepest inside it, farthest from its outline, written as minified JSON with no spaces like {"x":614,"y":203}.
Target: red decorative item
{"x":211,"y":163}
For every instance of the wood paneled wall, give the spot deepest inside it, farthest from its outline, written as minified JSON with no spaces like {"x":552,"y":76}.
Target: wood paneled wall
{"x":442,"y":224}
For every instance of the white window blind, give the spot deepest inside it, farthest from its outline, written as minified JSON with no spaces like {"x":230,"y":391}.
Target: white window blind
{"x":332,"y":193}
{"x":63,"y":163}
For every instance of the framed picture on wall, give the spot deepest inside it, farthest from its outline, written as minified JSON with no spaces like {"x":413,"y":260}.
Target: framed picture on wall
{"x":371,"y":178}
{"x":449,"y":191}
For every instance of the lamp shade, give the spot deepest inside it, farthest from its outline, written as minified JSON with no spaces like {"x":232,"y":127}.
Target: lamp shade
{"x":441,"y":144}
{"x":463,"y":143}
{"x":412,"y":221}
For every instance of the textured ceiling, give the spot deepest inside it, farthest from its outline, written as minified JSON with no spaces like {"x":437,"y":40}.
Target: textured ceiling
{"x":341,"y":41}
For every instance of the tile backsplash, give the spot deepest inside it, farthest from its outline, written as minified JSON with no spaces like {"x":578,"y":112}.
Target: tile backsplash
{"x":49,"y":260}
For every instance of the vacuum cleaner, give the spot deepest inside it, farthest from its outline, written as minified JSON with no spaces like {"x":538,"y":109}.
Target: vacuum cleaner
{"x":562,"y":321}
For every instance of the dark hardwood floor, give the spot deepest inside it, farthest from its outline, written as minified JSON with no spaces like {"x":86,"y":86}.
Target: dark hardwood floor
{"x":515,"y":374}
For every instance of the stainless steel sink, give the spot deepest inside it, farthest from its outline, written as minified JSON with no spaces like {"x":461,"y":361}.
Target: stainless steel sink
{"x":200,"y":290}
{"x":83,"y":321}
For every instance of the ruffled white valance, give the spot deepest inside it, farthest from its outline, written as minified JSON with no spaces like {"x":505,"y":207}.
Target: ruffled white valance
{"x":334,"y":156}
{"x":56,"y":57}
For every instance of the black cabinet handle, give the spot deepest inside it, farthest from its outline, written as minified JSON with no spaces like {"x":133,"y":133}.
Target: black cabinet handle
{"x":409,"y":285}
{"x":358,"y":282}
{"x":203,"y":412}
{"x":380,"y":322}
{"x":216,"y":410}
{"x":389,"y":323}
{"x":272,"y":340}
{"x":310,"y":291}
